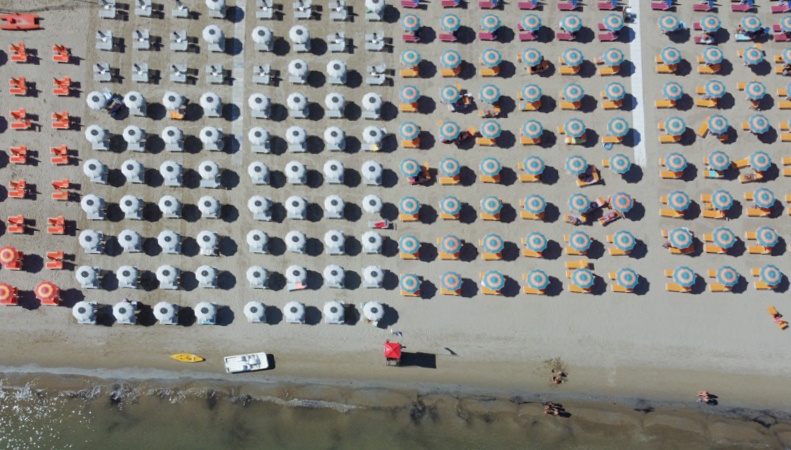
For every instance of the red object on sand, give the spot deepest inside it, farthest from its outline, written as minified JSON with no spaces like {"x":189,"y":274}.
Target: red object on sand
{"x":23,"y":22}
{"x":47,"y":292}
{"x":393,"y":351}
{"x":8,"y":294}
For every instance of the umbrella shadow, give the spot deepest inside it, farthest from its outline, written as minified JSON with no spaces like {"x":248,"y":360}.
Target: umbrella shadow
{"x":390,"y":317}
{"x":642,"y":287}
{"x":186,"y":316}
{"x":554,"y":288}
{"x":468,"y":252}
{"x":225,"y":316}
{"x":312,"y":315}
{"x":428,"y":290}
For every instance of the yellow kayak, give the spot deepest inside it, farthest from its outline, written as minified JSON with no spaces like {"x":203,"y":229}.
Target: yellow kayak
{"x":187,"y":357}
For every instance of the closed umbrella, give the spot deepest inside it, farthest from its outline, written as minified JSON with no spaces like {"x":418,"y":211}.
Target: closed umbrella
{"x":613,"y":22}
{"x":373,"y":276}
{"x":613,"y":57}
{"x":373,"y":311}
{"x":536,"y":241}
{"x":710,"y":23}
{"x":296,"y":274}
{"x":571,"y":23}
{"x":490,"y":22}
{"x":580,"y":241}
{"x":751,"y":23}
{"x":493,"y":243}
{"x":673,"y":90}
{"x":537,"y":279}
{"x":771,"y":275}
{"x":451,"y":281}
{"x":372,"y":101}
{"x":491,"y":129}
{"x":334,"y":275}
{"x":719,"y":160}
{"x":409,"y":94}
{"x":680,"y":238}
{"x":491,"y":205}
{"x":722,"y":200}
{"x":620,"y":163}
{"x":294,"y":312}
{"x":410,"y":58}
{"x":718,"y":124}
{"x":450,"y":205}
{"x":671,"y":55}
{"x":622,"y":202}
{"x":410,"y":168}
{"x":166,"y":313}
{"x":624,"y":240}
{"x":579,"y":203}
{"x":298,"y":68}
{"x":572,"y":57}
{"x":410,"y":22}
{"x":760,"y":161}
{"x":759,"y":124}
{"x":255,"y":311}
{"x":408,"y":244}
{"x":713,"y":55}
{"x":575,"y":128}
{"x":333,"y":312}
{"x":714,"y":88}
{"x":299,"y":34}
{"x":449,"y":94}
{"x":449,"y":167}
{"x":678,"y":200}
{"x":535,"y":204}
{"x":532,"y":129}
{"x":490,"y":166}
{"x":615,"y":91}
{"x":124,"y":312}
{"x":449,"y":131}
{"x":531,"y":93}
{"x":573,"y":92}
{"x":576,"y":164}
{"x":491,"y":57}
{"x":450,"y":244}
{"x":490,"y":93}
{"x":372,"y":204}
{"x":450,"y":22}
{"x":531,"y":57}
{"x":755,"y":90}
{"x":451,"y":59}
{"x":493,"y":280}
{"x":684,"y":276}
{"x":764,"y":198}
{"x":676,"y":162}
{"x":627,"y":278}
{"x":409,"y":283}
{"x":618,"y":127}
{"x":669,"y":22}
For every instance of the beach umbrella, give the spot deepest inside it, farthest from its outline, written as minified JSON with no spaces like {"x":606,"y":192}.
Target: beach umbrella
{"x":684,"y":276}
{"x":718,"y":124}
{"x":296,"y":206}
{"x":449,"y":167}
{"x":531,"y":22}
{"x":671,"y":55}
{"x":451,"y":281}
{"x":721,"y":200}
{"x":624,"y":240}
{"x":372,"y":242}
{"x":627,"y":278}
{"x":759,"y":124}
{"x":373,"y":275}
{"x":449,"y":94}
{"x":297,"y":68}
{"x":766,"y":236}
{"x":451,"y":244}
{"x":771,"y":275}
{"x":297,"y":101}
{"x":719,"y":160}
{"x":583,"y":278}
{"x":573,"y":92}
{"x":7,"y":295}
{"x":167,"y":274}
{"x":613,"y":22}
{"x":296,"y":274}
{"x":333,"y":170}
{"x":537,"y":279}
{"x":531,"y":93}
{"x":615,"y":91}
{"x":257,"y":238}
{"x":675,"y":126}
{"x":96,"y":134}
{"x":618,"y":127}
{"x":580,"y":241}
{"x":678,"y":200}
{"x":409,"y":283}
{"x":96,"y":100}
{"x":208,"y":206}
{"x":409,"y":94}
{"x":124,"y":312}
{"x":94,"y":169}
{"x":760,"y":161}
{"x":373,"y":310}
{"x":410,"y":168}
{"x":490,"y":93}
{"x":535,"y":204}
{"x":490,"y":22}
{"x":46,"y":292}
{"x":450,"y":205}
{"x":676,"y":162}
{"x":531,"y":57}
{"x":258,"y":204}
{"x":680,"y":238}
{"x":9,"y":254}
{"x":493,"y":280}
{"x":755,"y":90}
{"x":296,"y":241}
{"x":375,"y":5}
{"x":87,"y":276}
{"x":334,"y":205}
{"x":491,"y":129}
{"x":491,"y":205}
{"x":579,"y":203}
{"x":208,"y":170}
{"x":334,"y":275}
{"x":532,"y":129}
{"x":372,"y":204}
{"x":84,"y":312}
{"x":751,"y":23}
{"x":728,"y":276}
{"x":372,"y":172}
{"x":261,"y":35}
{"x":169,"y":241}
{"x":169,"y":205}
{"x":408,"y":244}
{"x":536,"y":241}
{"x":255,"y":311}
{"x":210,"y":101}
{"x":334,"y":101}
{"x":710,"y":23}
{"x":450,"y":59}
{"x":334,"y":239}
{"x":622,"y":202}
{"x":575,"y":128}
{"x":133,"y":170}
{"x":294,"y":312}
{"x":571,"y":23}
{"x":673,"y":90}
{"x":334,"y":312}
{"x":134,"y":100}
{"x":450,"y":22}
{"x":493,"y":243}
{"x":613,"y":57}
{"x":299,"y":34}
{"x":410,"y":22}
{"x":764,"y":198}
{"x":787,"y":55}
{"x":372,"y":101}
{"x":576,"y":164}
{"x":723,"y":237}
{"x":127,"y":276}
{"x":296,"y":170}
{"x":785,"y":24}
{"x":210,"y":135}
{"x":130,"y":240}
{"x":172,"y":101}
{"x":410,"y":58}
{"x":572,"y":57}
{"x":258,"y":102}
{"x":490,"y":166}
{"x":92,"y":204}
{"x":620,"y":163}
{"x":166,"y":313}
{"x":172,"y":135}
{"x":373,"y":135}
{"x":491,"y":57}
{"x":714,"y":88}
{"x":133,"y":134}
{"x":207,"y":240}
{"x":334,"y":136}
{"x":669,"y":22}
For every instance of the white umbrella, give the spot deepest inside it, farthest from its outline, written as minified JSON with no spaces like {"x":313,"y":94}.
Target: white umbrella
{"x":132,"y":170}
{"x":372,"y":171}
{"x":259,"y":172}
{"x":257,"y":238}
{"x":169,"y":241}
{"x":294,"y":312}
{"x":295,"y":241}
{"x":334,"y":239}
{"x":333,"y":312}
{"x":296,"y":206}
{"x":210,"y":135}
{"x":209,"y":206}
{"x":206,"y":313}
{"x":96,"y":134}
{"x":213,"y":34}
{"x":372,"y":101}
{"x":134,"y":100}
{"x":258,"y":204}
{"x":262,"y":35}
{"x":87,"y":276}
{"x":92,"y":204}
{"x":333,"y":170}
{"x":96,"y":100}
{"x":334,"y":205}
{"x":127,"y":276}
{"x":373,"y":311}
{"x":296,"y":135}
{"x":371,"y":203}
{"x":334,"y":275}
{"x":172,"y":135}
{"x":255,"y":312}
{"x":169,"y":205}
{"x":297,"y":68}
{"x":124,"y":312}
{"x":84,"y":312}
{"x":258,"y":136}
{"x":296,"y":274}
{"x":208,"y":170}
{"x":90,"y":239}
{"x":210,"y":101}
{"x":94,"y":169}
{"x":258,"y":102}
{"x":336,"y":69}
{"x":296,"y":171}
{"x":372,"y":242}
{"x":166,"y":313}
{"x":130,"y":240}
{"x":373,"y":276}
{"x":215,"y":5}
{"x":171,"y":171}
{"x":130,"y":204}
{"x":297,"y":101}
{"x":375,"y":5}
{"x":373,"y":135}
{"x":206,"y":276}
{"x":334,"y":101}
{"x":299,"y":34}
{"x":167,"y":274}
{"x":172,"y":101}
{"x":258,"y":277}
{"x":207,"y":240}
{"x":334,"y":136}
{"x":133,"y":134}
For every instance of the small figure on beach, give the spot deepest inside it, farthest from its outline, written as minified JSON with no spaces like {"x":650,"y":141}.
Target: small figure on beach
{"x":555,"y":409}
{"x":558,"y":376}
{"x":705,"y":397}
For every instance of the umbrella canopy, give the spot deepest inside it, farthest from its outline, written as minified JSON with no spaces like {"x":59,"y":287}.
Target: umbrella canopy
{"x":771,"y":275}
{"x":258,"y":204}
{"x":88,"y":239}
{"x":583,"y":278}
{"x":334,"y":135}
{"x":531,"y":57}
{"x":766,"y":236}
{"x":450,"y":22}
{"x":571,"y":23}
{"x":10,"y":254}
{"x":133,"y":134}
{"x":299,"y":34}
{"x":678,"y":200}
{"x":258,"y":102}
{"x":372,"y":241}
{"x":759,"y":124}
{"x":172,"y":135}
{"x":576,"y":164}
{"x":130,"y":240}
{"x":333,"y":312}
{"x":449,"y":130}
{"x":334,"y":275}
{"x":96,"y":134}
{"x":372,"y":101}
{"x":531,"y":22}
{"x":408,"y":244}
{"x":714,"y":88}
{"x":450,"y":205}
{"x":490,"y":22}
{"x":450,"y":59}
{"x":718,"y":124}
{"x":537,"y":279}
{"x":373,"y":311}
{"x":167,"y":274}
{"x":491,"y":205}
{"x":205,"y":313}
{"x":760,"y":161}
{"x":210,"y":100}
{"x":722,"y":200}
{"x":92,"y":204}
{"x":207,"y":239}
{"x":208,"y":169}
{"x":713,"y":55}
{"x":493,"y":280}
{"x":684,"y":276}
{"x":334,"y":205}
{"x":295,"y":241}
{"x":295,"y":169}
{"x":580,"y":241}
{"x":169,"y":205}
{"x":373,"y":135}
{"x":333,"y":169}
{"x":372,"y":204}
{"x":710,"y":23}
{"x":373,"y":275}
{"x":132,"y":169}
{"x":579,"y":203}
{"x":490,"y":93}
{"x":493,"y":243}
{"x":172,"y":100}
{"x":409,"y":94}
{"x":296,"y":274}
{"x":622,"y":202}
{"x":84,"y":312}
{"x":620,"y":163}
{"x":127,"y":275}
{"x":787,"y":55}
{"x":296,"y":205}
{"x":673,"y":90}
{"x":255,"y":311}
{"x":449,"y":167}
{"x":531,"y":93}
{"x":96,"y":100}
{"x":451,"y":281}
{"x":297,"y":101}
{"x":532,"y":129}
{"x":572,"y":57}
{"x":298,"y":68}
{"x":294,"y":312}
{"x":168,"y":240}
{"x":490,"y":166}
{"x":491,"y":57}
{"x":613,"y":57}
{"x":618,"y":127}
{"x":755,"y":90}
{"x":210,"y":135}
{"x":573,"y":92}
{"x":785,"y":24}
{"x":613,"y":22}
{"x":334,"y":101}
{"x":409,"y":283}
{"x":124,"y":312}
{"x":671,"y":55}
{"x":296,"y":135}
{"x":93,"y":168}
{"x":257,"y":238}
{"x":536,"y":241}
{"x":719,"y":160}
{"x":680,"y":238}
{"x":535,"y":204}
{"x":87,"y":276}
{"x":410,"y":22}
{"x":624,"y":240}
{"x":751,"y":23}
{"x":724,"y":238}
{"x":410,"y":168}
{"x":669,"y":22}
{"x":371,"y":170}
{"x":575,"y":128}
{"x":627,"y":278}
{"x":728,"y":276}
{"x":764,"y":198}
{"x":261,"y":35}
{"x":206,"y":275}
{"x":410,"y":58}
{"x":449,"y":94}
{"x":166,"y":313}
{"x":334,"y":239}
{"x":675,"y":126}
{"x":615,"y":91}
{"x":451,"y":244}
{"x":208,"y":205}
{"x":46,"y":292}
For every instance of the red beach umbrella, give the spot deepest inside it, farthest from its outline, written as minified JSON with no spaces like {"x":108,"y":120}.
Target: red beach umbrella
{"x":47,"y":292}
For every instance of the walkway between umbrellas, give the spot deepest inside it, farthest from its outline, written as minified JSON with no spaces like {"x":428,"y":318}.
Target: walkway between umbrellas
{"x":638,"y":116}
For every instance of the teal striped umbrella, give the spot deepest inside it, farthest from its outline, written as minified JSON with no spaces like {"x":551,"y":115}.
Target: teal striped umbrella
{"x":580,"y":241}
{"x":579,"y":203}
{"x":678,"y":200}
{"x":449,"y":93}
{"x":710,"y":23}
{"x":490,"y":93}
{"x":450,"y":59}
{"x":766,"y":236}
{"x":670,"y":55}
{"x":449,"y":130}
{"x":535,"y":204}
{"x":675,"y":126}
{"x":493,"y":280}
{"x":493,"y":243}
{"x":490,"y":22}
{"x":620,"y":163}
{"x":680,"y":238}
{"x":759,"y":124}
{"x":409,"y":206}
{"x":573,"y":92}
{"x":410,"y":57}
{"x":490,"y":166}
{"x":676,"y":162}
{"x":491,"y":129}
{"x":618,"y":127}
{"x":531,"y":22}
{"x":410,"y":168}
{"x":533,"y":165}
{"x":627,"y":278}
{"x":532,"y":129}
{"x":718,"y":124}
{"x":576,"y":164}
{"x":613,"y":57}
{"x":531,"y":57}
{"x":536,"y":241}
{"x":728,"y":276}
{"x":764,"y":198}
{"x":575,"y":128}
{"x":722,"y":200}
{"x":613,"y":22}
{"x":583,"y":278}
{"x":751,"y":23}
{"x":624,"y":240}
{"x":771,"y":275}
{"x":410,"y":22}
{"x":787,"y":55}
{"x":760,"y":161}
{"x":684,"y":276}
{"x":615,"y":91}
{"x":491,"y":57}
{"x":571,"y":23}
{"x":450,"y":22}
{"x":408,"y":244}
{"x":669,"y":22}
{"x":450,"y":244}
{"x":673,"y":90}
{"x":450,"y":205}
{"x":449,"y":167}
{"x":572,"y":57}
{"x":537,"y":279}
{"x":755,"y":90}
{"x":409,"y":130}
{"x":409,"y":94}
{"x":719,"y":160}
{"x":723,"y":237}
{"x":531,"y":93}
{"x":713,"y":55}
{"x":409,"y":283}
{"x":785,"y":24}
{"x":491,"y":205}
{"x":451,"y":281}
{"x":714,"y":88}
{"x":622,"y":202}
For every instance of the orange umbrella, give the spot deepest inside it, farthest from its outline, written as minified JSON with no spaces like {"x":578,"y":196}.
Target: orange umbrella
{"x":8,"y":255}
{"x":7,"y":294}
{"x":47,"y":292}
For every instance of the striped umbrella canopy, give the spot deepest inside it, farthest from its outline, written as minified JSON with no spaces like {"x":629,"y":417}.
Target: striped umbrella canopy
{"x":451,"y":281}
{"x":764,"y":198}
{"x":710,"y":23}
{"x":6,"y":293}
{"x":490,"y":166}
{"x":491,"y":205}
{"x":684,"y":276}
{"x":410,"y":168}
{"x":755,"y":90}
{"x":450,"y":244}
{"x":571,"y":23}
{"x":533,"y":165}
{"x":449,"y":93}
{"x":615,"y":91}
{"x":580,"y":241}
{"x":624,"y":240}
{"x":760,"y":161}
{"x":573,"y":92}
{"x":575,"y":128}
{"x":787,"y":55}
{"x":450,"y":22}
{"x":531,"y":93}
{"x":409,"y":283}
{"x":409,"y":130}
{"x":675,"y":126}
{"x":449,"y":167}
{"x":771,"y":275}
{"x":537,"y":279}
{"x":490,"y":93}
{"x":532,"y":57}
{"x":450,"y":205}
{"x":491,"y":129}
{"x":409,"y":94}
{"x":722,"y":200}
{"x":723,"y":237}
{"x":620,"y":163}
{"x":490,"y":22}
{"x":536,"y":241}
{"x":450,"y":59}
{"x":618,"y":127}
{"x":449,"y":130}
{"x":785,"y":23}
{"x":627,"y":278}
{"x":410,"y":22}
{"x":719,"y":160}
{"x":718,"y":124}
{"x":678,"y":200}
{"x":713,"y":55}
{"x":493,"y":280}
{"x":410,"y":57}
{"x":728,"y":276}
{"x":622,"y":202}
{"x":46,"y":291}
{"x":673,"y":90}
{"x":753,"y":55}
{"x":670,"y":55}
{"x":408,"y":244}
{"x":759,"y":124}
{"x":8,"y":255}
{"x":491,"y":57}
{"x":572,"y":57}
{"x":493,"y":243}
{"x":680,"y":238}
{"x":766,"y":236}
{"x":714,"y":88}
{"x":576,"y":164}
{"x":613,"y":22}
{"x":583,"y":278}
{"x":751,"y":23}
{"x":669,"y":22}
{"x":676,"y":162}
{"x":532,"y":129}
{"x":579,"y":203}
{"x":535,"y":204}
{"x":531,"y":22}
{"x":409,"y":205}
{"x":613,"y":57}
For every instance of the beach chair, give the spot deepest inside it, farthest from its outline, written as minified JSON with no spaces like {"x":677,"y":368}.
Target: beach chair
{"x":450,"y":3}
{"x":742,"y":7}
{"x":62,"y":87}
{"x":581,"y":264}
{"x":490,"y":72}
{"x":18,"y":155}
{"x":777,"y":317}
{"x":449,"y":73}
{"x":570,"y":5}
{"x":61,"y":55}
{"x":529,"y":5}
{"x":410,"y":73}
{"x":21,"y":121}
{"x":16,"y":224}
{"x":565,"y":36}
{"x":61,"y":121}
{"x":408,"y":107}
{"x":410,"y":3}
{"x":675,"y":287}
{"x":18,"y":52}
{"x":488,"y":4}
{"x":664,"y":68}
{"x":664,"y":104}
{"x":447,"y":37}
{"x":18,"y":86}
{"x":56,"y":225}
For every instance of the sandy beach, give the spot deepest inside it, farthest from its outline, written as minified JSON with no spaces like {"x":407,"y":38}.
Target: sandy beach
{"x":655,"y":346}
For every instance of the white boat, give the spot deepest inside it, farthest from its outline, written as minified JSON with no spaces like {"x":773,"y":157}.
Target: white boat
{"x":246,"y":363}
